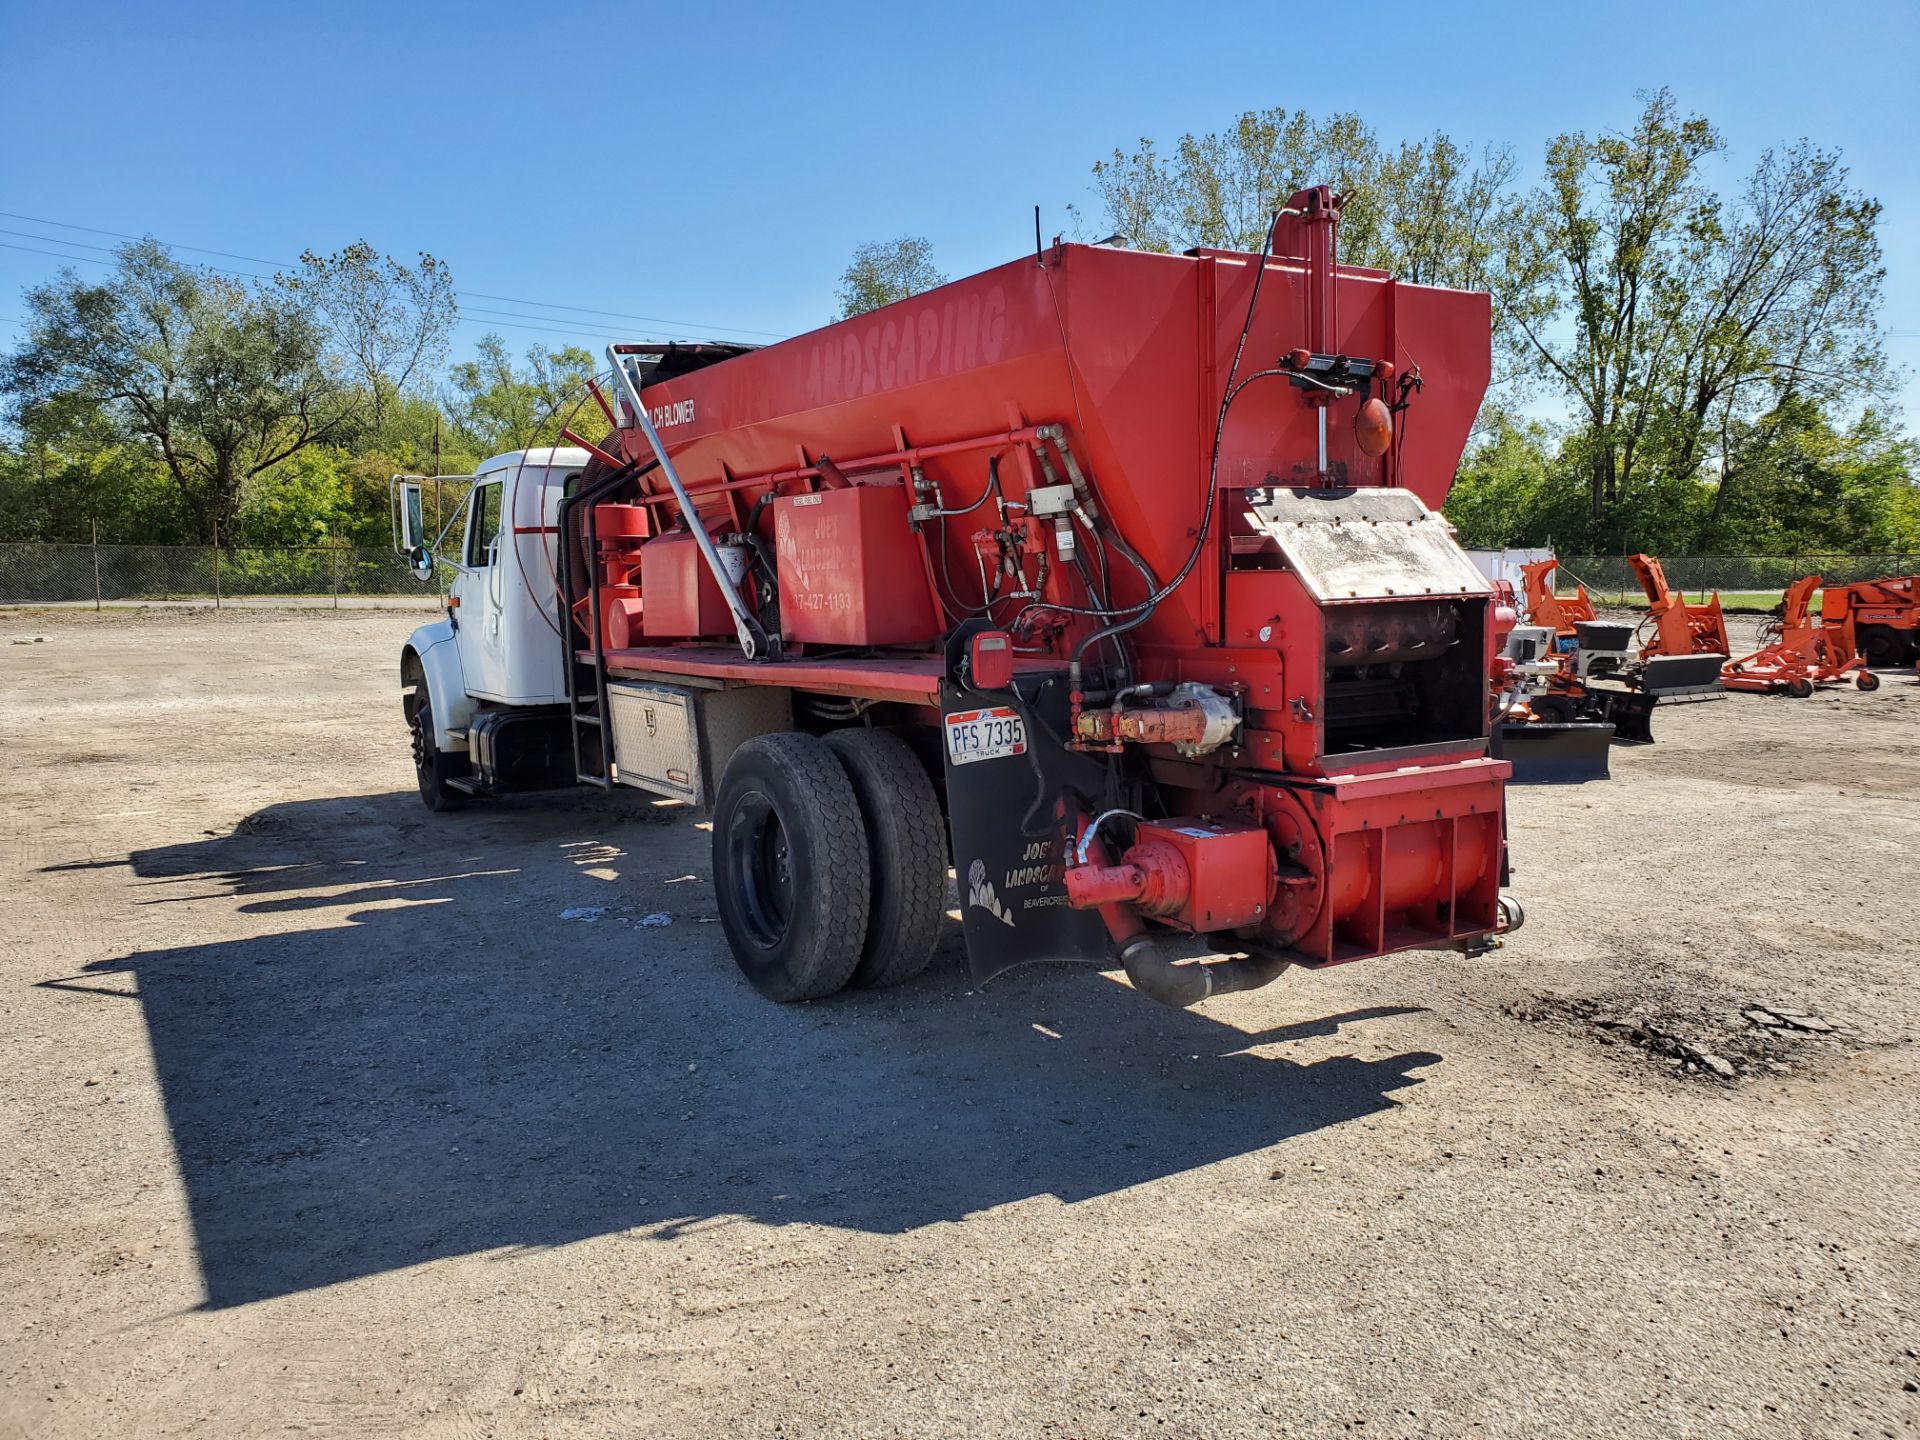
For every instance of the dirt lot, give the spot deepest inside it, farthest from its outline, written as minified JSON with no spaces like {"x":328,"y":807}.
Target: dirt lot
{"x":320,"y":1120}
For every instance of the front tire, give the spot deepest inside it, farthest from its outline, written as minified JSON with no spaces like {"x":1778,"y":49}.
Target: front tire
{"x":434,"y":767}
{"x":791,"y":867}
{"x":908,"y":854}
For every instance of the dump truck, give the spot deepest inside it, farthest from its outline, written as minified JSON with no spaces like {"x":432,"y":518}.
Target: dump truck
{"x":1111,"y":583}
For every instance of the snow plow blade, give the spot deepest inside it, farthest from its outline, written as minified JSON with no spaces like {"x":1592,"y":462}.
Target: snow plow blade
{"x":1682,"y":674}
{"x":1549,"y":752}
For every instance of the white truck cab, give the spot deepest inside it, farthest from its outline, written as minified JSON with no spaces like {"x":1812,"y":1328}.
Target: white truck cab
{"x":501,"y":643}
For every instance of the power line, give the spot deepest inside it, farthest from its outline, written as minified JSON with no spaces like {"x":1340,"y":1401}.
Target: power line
{"x":494,"y":317}
{"x":688,"y":325}
{"x":89,"y":259}
{"x":622,"y":315}
{"x":93,"y":230}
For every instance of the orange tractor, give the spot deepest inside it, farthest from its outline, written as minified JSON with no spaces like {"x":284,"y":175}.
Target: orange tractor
{"x":1798,"y":654}
{"x":1882,"y":615}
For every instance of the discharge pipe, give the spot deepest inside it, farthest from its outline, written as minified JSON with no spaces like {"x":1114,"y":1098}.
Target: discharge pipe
{"x":1160,"y":963}
{"x":1156,"y":972}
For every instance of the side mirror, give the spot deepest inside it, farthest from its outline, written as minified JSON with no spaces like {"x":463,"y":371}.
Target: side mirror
{"x":409,"y":519}
{"x":410,"y":526}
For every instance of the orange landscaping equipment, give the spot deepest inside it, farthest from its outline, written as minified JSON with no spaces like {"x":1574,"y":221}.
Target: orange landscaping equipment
{"x":1882,"y":617}
{"x":1678,"y":628}
{"x":1799,"y":654}
{"x":1546,"y":608}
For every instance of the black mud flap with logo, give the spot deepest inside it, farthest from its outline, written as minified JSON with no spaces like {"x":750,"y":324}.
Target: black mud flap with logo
{"x":1007,"y":771}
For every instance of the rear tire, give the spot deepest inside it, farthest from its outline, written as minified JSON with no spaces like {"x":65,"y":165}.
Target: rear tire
{"x":1882,"y":645}
{"x":790,"y":867}
{"x":432,"y":766}
{"x":908,"y":854}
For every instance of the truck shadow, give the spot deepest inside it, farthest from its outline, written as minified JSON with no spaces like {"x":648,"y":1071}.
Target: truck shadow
{"x":439,"y":1065}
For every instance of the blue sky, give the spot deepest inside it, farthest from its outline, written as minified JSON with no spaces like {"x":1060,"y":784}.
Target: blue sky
{"x":714,"y":165}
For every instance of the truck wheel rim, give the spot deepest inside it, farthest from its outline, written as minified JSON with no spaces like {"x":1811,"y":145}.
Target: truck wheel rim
{"x":763,"y":861}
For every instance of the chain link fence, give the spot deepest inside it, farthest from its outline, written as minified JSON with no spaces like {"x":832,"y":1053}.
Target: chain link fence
{"x":1609,"y":578}
{"x":42,"y":574}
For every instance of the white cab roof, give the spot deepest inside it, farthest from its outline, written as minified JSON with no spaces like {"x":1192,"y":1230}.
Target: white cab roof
{"x":559,"y":457}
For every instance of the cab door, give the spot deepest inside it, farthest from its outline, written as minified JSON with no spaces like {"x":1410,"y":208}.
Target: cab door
{"x":481,"y":636}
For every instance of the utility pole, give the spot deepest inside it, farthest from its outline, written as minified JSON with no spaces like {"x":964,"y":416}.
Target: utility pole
{"x":216,"y":564}
{"x":96,"y":564}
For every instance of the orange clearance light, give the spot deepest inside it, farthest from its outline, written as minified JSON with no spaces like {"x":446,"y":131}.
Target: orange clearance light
{"x":990,"y":659}
{"x":1373,"y":426}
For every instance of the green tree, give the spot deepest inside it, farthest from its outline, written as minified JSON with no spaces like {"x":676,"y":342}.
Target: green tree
{"x":884,"y":272}
{"x":498,"y":406}
{"x":1604,"y":246}
{"x":1667,"y":317}
{"x":389,"y":321}
{"x":1797,"y":483}
{"x":217,"y":380}
{"x":1425,"y":210}
{"x":1516,"y":487}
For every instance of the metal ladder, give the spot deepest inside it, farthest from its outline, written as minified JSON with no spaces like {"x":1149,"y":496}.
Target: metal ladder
{"x":588,"y":715}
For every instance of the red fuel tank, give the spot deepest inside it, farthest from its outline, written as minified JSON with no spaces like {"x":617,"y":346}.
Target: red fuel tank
{"x":851,"y":571}
{"x":682,"y":600}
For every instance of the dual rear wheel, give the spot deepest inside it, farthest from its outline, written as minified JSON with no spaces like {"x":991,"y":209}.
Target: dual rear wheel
{"x":829,"y":862}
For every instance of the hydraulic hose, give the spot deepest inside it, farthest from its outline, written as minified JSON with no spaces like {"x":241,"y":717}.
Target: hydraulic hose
{"x":1156,"y":972}
{"x":1155,"y":592}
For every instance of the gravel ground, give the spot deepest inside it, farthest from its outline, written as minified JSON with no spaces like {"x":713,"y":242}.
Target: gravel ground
{"x":320,"y":1120}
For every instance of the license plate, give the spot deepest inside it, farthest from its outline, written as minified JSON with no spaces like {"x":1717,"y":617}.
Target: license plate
{"x":985,"y":735}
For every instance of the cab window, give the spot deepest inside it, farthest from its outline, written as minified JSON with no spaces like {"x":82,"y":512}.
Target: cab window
{"x":483,"y":524}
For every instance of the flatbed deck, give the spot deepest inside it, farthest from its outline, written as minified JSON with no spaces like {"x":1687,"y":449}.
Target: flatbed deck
{"x":909,"y":679}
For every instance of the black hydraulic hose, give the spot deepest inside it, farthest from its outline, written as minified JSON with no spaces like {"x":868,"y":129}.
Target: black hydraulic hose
{"x":993,"y":488}
{"x":1114,"y":631}
{"x":1157,"y":973}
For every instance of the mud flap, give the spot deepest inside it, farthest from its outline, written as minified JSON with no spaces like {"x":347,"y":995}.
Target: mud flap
{"x":1550,"y":752}
{"x":1006,"y":773}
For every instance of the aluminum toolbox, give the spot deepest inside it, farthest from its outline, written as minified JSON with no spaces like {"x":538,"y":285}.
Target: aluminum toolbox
{"x":675,"y":740}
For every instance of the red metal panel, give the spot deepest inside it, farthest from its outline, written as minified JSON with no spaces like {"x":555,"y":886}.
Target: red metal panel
{"x":1229,"y":870}
{"x":850,"y":572}
{"x":680,"y":597}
